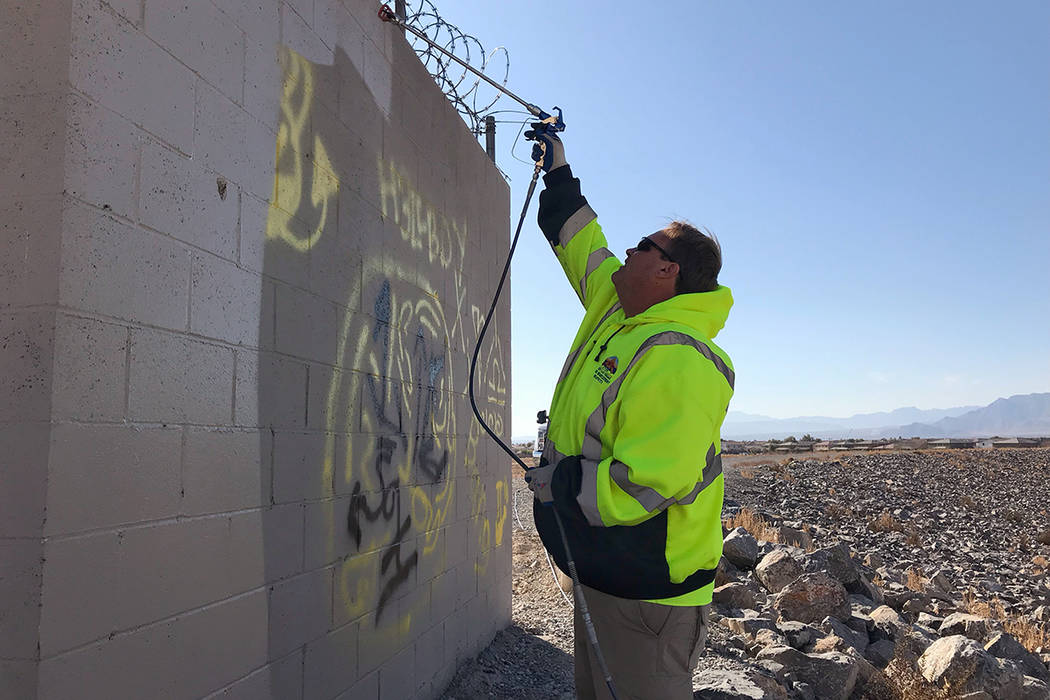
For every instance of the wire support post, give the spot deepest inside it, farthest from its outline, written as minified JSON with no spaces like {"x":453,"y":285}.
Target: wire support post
{"x":490,"y":137}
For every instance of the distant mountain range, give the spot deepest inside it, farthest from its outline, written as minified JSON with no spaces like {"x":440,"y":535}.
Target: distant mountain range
{"x":1017,"y":416}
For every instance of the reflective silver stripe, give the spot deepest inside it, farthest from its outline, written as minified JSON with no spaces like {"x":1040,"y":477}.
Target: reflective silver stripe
{"x":595,"y":259}
{"x":648,"y":497}
{"x":676,"y":338}
{"x":576,"y":353}
{"x":575,"y":223}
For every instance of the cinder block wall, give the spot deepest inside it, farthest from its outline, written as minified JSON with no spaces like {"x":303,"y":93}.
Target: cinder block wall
{"x":246,"y":252}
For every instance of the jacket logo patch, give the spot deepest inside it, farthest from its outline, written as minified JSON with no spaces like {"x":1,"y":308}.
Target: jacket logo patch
{"x":606,"y":370}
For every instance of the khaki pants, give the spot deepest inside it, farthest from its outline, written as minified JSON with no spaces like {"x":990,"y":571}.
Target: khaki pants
{"x":650,"y":649}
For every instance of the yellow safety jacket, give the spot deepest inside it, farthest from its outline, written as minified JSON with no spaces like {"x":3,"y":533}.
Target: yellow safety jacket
{"x":634,"y":425}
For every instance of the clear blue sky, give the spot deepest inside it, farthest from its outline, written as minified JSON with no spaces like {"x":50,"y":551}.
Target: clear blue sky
{"x":878,"y":175}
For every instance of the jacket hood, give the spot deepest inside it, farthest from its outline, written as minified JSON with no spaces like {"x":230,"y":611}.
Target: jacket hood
{"x":705,"y":312}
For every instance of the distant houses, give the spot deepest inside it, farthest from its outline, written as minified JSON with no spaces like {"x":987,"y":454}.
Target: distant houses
{"x":791,"y":446}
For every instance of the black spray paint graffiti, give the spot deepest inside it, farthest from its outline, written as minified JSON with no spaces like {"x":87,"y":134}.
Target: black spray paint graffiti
{"x":396,"y":444}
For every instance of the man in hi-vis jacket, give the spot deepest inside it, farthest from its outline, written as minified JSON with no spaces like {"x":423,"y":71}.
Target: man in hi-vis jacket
{"x":632,"y":459}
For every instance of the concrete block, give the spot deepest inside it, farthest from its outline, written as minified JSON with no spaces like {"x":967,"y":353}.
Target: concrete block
{"x":335,"y":270}
{"x":106,"y":475}
{"x":367,"y":688}
{"x":18,"y":679}
{"x":307,"y":326}
{"x":433,"y":558}
{"x":179,"y":380}
{"x":443,"y":595}
{"x":259,"y":19}
{"x":299,"y":472}
{"x":112,"y":269}
{"x":457,"y":535}
{"x":430,"y":655}
{"x":330,"y":663}
{"x":34,"y":126}
{"x":224,"y":470}
{"x":327,"y":539}
{"x":270,"y":391}
{"x":300,"y":611}
{"x":384,"y":641}
{"x":220,"y":134}
{"x":90,"y":381}
{"x":136,"y":665}
{"x":30,"y":235}
{"x":329,"y":409}
{"x":35,"y":38}
{"x":102,"y":153}
{"x":382,"y":406}
{"x":254,"y":212}
{"x":262,"y":79}
{"x":220,"y":644}
{"x":124,"y":70}
{"x":397,"y":678}
{"x":286,"y":255}
{"x":351,"y":462}
{"x":282,"y":541}
{"x":226,"y":301}
{"x":413,"y":610}
{"x":23,"y":478}
{"x":26,"y":357}
{"x":182,"y":199}
{"x":20,"y":564}
{"x":203,"y":38}
{"x":100,"y":584}
{"x":281,"y":679}
{"x":297,"y":33}
{"x":260,"y":142}
{"x":457,"y":630}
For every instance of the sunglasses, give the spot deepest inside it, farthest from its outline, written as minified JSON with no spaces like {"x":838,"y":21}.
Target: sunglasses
{"x":648,"y":244}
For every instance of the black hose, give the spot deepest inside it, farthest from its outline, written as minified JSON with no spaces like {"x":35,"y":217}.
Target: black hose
{"x":576,"y":586}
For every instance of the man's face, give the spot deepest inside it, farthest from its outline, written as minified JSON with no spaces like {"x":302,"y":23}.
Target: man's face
{"x":641,"y":269}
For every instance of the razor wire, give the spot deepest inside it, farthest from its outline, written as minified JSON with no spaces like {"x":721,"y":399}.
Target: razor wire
{"x":464,"y":90}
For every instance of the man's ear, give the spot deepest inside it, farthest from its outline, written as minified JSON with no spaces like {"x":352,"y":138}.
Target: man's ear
{"x":667,"y":270}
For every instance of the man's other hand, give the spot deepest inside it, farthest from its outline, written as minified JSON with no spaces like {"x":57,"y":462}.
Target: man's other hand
{"x":539,"y":481}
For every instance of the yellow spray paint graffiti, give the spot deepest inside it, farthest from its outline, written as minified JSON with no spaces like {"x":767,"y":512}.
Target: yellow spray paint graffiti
{"x":398,"y":433}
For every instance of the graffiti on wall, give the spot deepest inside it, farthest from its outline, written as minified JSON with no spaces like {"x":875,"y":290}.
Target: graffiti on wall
{"x":399,"y":436}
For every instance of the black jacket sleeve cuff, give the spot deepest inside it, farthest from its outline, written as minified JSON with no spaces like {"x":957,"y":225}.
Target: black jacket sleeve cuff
{"x":560,"y":199}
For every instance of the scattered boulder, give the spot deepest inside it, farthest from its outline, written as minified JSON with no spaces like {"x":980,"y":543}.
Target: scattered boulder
{"x":851,"y":637}
{"x":1005,"y":646}
{"x":887,"y":622}
{"x":965,"y":624}
{"x":812,"y":597}
{"x":740,"y":548}
{"x":832,"y":676}
{"x":777,"y":569}
{"x":880,"y":653}
{"x":1034,"y":689}
{"x":737,"y":685}
{"x":799,"y":634}
{"x":735,"y":595}
{"x":836,"y":561}
{"x":748,"y":625}
{"x":960,"y":665}
{"x":1043,"y":537}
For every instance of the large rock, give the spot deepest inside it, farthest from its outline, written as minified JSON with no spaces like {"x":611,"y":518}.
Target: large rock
{"x":737,"y":685}
{"x":1005,"y":646}
{"x":960,"y":665}
{"x":887,"y":622}
{"x":832,"y":676}
{"x":965,"y":624}
{"x":880,"y":653}
{"x":734,"y":595}
{"x":1034,"y":689}
{"x":740,"y":548}
{"x":777,"y":569}
{"x":854,"y":638}
{"x":747,"y":625}
{"x":811,"y":598}
{"x":835,"y":561}
{"x":799,"y":634}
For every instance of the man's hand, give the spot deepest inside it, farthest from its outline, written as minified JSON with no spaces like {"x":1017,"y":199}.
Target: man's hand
{"x":552,"y":154}
{"x":539,"y":481}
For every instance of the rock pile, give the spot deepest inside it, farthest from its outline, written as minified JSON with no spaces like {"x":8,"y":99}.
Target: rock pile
{"x":854,"y":618}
